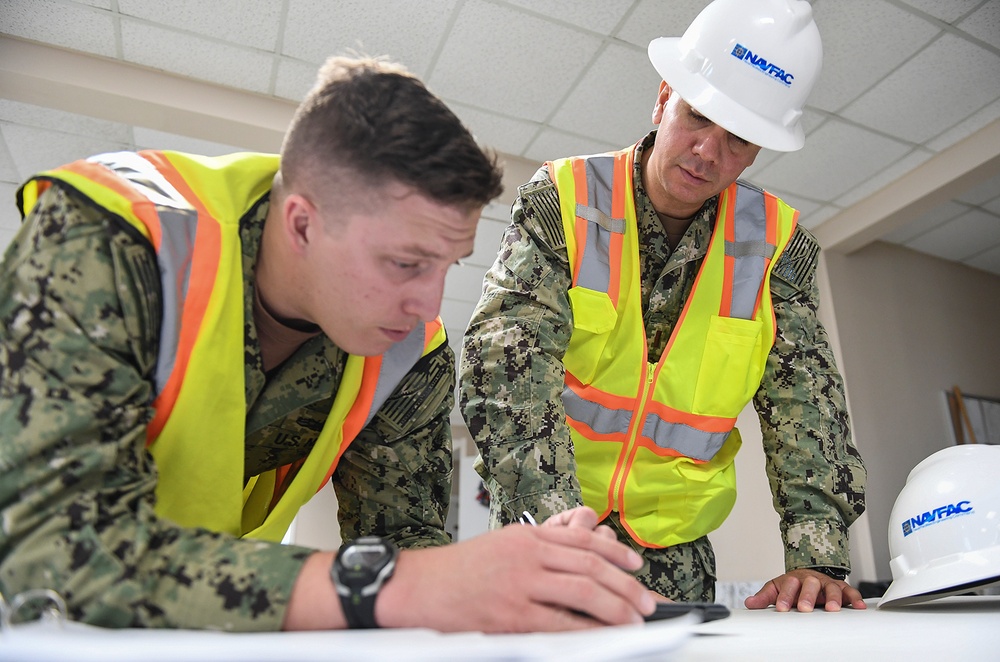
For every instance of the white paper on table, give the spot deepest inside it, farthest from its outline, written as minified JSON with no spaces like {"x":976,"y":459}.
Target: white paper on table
{"x":58,"y":641}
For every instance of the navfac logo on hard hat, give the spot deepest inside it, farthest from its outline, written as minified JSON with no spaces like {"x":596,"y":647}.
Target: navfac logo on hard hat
{"x":937,"y":515}
{"x":741,"y":52}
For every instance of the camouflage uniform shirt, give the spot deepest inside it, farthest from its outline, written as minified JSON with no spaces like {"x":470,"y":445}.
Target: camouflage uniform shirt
{"x":79,"y":327}
{"x":512,"y":376}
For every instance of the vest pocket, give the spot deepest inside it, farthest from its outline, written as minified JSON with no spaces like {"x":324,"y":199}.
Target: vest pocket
{"x":594,"y":317}
{"x":731,"y":366}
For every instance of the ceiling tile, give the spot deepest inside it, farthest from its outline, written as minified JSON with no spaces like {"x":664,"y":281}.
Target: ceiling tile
{"x":966,"y":127}
{"x":837,"y":157}
{"x":765,"y":157}
{"x":68,"y":25}
{"x":987,"y":261}
{"x":946,"y":10}
{"x":503,"y":134}
{"x":655,"y":18}
{"x":961,"y":238}
{"x":405,"y":31}
{"x":983,"y":193}
{"x":464,"y":283}
{"x":518,"y":74}
{"x":36,"y":149}
{"x":58,"y":120}
{"x":819,"y":216}
{"x":197,"y":57}
{"x":294,"y":79}
{"x":244,"y":22}
{"x":812,"y":120}
{"x":552,"y":144}
{"x":886,"y":35}
{"x":614,"y":100}
{"x":984,"y":23}
{"x":10,"y":218}
{"x":993,"y":206}
{"x":926,"y":222}
{"x":488,"y":236}
{"x":884,"y":177}
{"x":598,"y":15}
{"x":950,"y":78}
{"x":8,"y":172}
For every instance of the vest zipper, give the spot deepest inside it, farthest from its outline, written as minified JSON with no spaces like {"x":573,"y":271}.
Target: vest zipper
{"x":638,"y":415}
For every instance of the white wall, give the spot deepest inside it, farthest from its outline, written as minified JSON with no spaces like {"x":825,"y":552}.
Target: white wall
{"x":911,"y":326}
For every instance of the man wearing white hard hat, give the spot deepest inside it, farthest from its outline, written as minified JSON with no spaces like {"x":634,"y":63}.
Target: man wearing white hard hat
{"x":641,"y":299}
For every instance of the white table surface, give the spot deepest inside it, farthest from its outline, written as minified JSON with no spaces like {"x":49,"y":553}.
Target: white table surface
{"x":955,"y":629}
{"x":950,"y":629}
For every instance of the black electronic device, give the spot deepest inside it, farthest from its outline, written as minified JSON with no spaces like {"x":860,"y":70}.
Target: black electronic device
{"x":710,"y":611}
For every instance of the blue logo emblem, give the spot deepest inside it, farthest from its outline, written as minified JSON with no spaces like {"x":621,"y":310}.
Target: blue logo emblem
{"x":771,"y":70}
{"x":939,"y":514}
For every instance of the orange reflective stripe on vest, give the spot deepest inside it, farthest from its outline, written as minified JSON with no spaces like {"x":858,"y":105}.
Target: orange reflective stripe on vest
{"x":652,"y":437}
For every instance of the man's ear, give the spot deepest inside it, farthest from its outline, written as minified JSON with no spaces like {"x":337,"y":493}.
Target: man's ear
{"x":299,"y":216}
{"x":661,"y":102}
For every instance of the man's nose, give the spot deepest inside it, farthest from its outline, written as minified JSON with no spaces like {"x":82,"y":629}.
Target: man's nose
{"x":709,"y":143}
{"x":423,"y":299}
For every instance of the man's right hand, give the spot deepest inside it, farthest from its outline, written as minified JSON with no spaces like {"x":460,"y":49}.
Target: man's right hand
{"x":517,"y":579}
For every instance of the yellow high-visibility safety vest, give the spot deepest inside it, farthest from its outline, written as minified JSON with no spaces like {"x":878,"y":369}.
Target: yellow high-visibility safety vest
{"x":189,"y":208}
{"x":656,"y":441}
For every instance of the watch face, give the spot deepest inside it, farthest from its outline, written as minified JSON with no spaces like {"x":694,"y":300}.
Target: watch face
{"x":363,"y":555}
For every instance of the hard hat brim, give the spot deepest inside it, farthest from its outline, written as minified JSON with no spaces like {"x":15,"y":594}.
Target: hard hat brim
{"x":950,"y":576}
{"x":666,"y":57}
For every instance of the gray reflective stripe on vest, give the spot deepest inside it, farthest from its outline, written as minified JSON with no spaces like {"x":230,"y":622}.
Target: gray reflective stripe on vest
{"x":599,"y":418}
{"x":396,"y":362}
{"x":595,"y":266}
{"x":750,"y":250}
{"x":178,"y":223}
{"x":683,"y":438}
{"x":689,"y":441}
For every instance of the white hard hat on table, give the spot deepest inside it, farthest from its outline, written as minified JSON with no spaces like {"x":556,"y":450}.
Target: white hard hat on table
{"x":944,"y":530}
{"x":747,"y":65}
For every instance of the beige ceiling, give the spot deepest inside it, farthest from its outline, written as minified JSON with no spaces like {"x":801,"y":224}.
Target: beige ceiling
{"x":903,"y":127}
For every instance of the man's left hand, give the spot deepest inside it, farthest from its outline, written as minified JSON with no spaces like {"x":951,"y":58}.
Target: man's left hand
{"x":805,"y":589}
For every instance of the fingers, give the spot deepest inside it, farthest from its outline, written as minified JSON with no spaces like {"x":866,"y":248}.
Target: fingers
{"x":763,"y":598}
{"x":585,"y":580}
{"x":802,"y":595}
{"x":804,"y":590}
{"x":596,"y":541}
{"x":581,"y":516}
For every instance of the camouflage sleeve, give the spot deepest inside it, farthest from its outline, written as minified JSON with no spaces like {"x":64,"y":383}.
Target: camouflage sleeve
{"x":395,"y":479}
{"x":77,"y":339}
{"x":816,"y":474}
{"x":511,"y":375}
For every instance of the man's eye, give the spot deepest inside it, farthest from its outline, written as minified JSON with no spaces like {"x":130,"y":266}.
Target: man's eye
{"x":399,"y":264}
{"x":739,"y":140}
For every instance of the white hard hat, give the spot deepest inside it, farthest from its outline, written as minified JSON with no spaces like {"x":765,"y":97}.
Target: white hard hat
{"x":747,"y":65}
{"x":944,"y":530}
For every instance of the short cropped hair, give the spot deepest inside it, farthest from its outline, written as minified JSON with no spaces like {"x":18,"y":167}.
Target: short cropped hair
{"x":368,"y":122}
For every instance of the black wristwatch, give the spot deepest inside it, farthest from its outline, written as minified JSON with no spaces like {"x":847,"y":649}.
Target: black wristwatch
{"x":360,"y":570}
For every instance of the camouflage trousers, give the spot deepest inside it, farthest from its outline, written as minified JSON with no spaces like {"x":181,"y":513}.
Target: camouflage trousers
{"x":684,"y":572}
